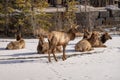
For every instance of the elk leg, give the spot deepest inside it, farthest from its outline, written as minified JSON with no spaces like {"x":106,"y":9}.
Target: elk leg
{"x":64,"y":56}
{"x":49,"y":51}
{"x":53,"y":51}
{"x":49,"y":58}
{"x":55,"y":57}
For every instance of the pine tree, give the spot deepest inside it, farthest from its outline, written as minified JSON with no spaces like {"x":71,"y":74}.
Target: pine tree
{"x":23,"y":14}
{"x":70,"y":14}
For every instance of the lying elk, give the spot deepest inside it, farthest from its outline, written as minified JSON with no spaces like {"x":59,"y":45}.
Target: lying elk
{"x":92,"y":40}
{"x":43,"y":46}
{"x":97,"y":41}
{"x":84,"y":44}
{"x":57,"y":38}
{"x":18,"y":44}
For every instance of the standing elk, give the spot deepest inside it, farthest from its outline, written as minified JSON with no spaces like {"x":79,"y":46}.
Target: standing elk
{"x":57,"y":38}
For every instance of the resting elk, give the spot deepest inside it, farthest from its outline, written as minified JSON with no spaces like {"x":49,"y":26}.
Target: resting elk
{"x":18,"y":44}
{"x":43,"y":46}
{"x":84,"y":45}
{"x":98,"y":41}
{"x":91,"y":40}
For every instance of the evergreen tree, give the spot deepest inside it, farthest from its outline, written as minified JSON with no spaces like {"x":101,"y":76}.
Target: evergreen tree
{"x":23,"y":14}
{"x":70,"y":14}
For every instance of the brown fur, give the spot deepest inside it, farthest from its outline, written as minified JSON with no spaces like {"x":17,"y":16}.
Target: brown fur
{"x":16,"y":45}
{"x":97,"y":41}
{"x":90,"y":41}
{"x":19,"y":44}
{"x":60,"y":39}
{"x":43,"y":46}
{"x":94,"y":39}
{"x":87,"y":34}
{"x":84,"y":44}
{"x":105,"y":37}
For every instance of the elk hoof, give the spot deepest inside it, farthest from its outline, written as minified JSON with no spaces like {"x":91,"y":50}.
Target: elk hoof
{"x":63,"y":58}
{"x":56,"y":60}
{"x":49,"y":60}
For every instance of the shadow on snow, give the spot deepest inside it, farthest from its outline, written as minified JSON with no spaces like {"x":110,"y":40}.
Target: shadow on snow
{"x":42,"y":58}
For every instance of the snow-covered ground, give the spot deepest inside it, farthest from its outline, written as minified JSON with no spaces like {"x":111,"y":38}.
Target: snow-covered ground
{"x":25,"y":64}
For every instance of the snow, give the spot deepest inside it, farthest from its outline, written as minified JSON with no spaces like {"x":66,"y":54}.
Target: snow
{"x":87,"y":8}
{"x":25,"y":64}
{"x":112,"y":7}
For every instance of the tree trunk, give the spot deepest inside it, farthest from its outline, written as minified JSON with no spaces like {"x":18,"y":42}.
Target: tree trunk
{"x":33,"y":23}
{"x":6,"y":28}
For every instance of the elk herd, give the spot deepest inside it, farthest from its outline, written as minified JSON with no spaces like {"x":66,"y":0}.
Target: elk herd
{"x":58,"y":40}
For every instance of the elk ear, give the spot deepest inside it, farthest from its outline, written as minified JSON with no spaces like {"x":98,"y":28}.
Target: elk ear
{"x":76,"y":26}
{"x":41,"y":36}
{"x":106,"y":33}
{"x":71,"y":26}
{"x":86,"y":30}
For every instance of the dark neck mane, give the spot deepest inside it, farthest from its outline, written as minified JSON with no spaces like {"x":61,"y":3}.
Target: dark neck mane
{"x":18,"y":38}
{"x":70,"y":31}
{"x":71,"y":34}
{"x":103,"y":40}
